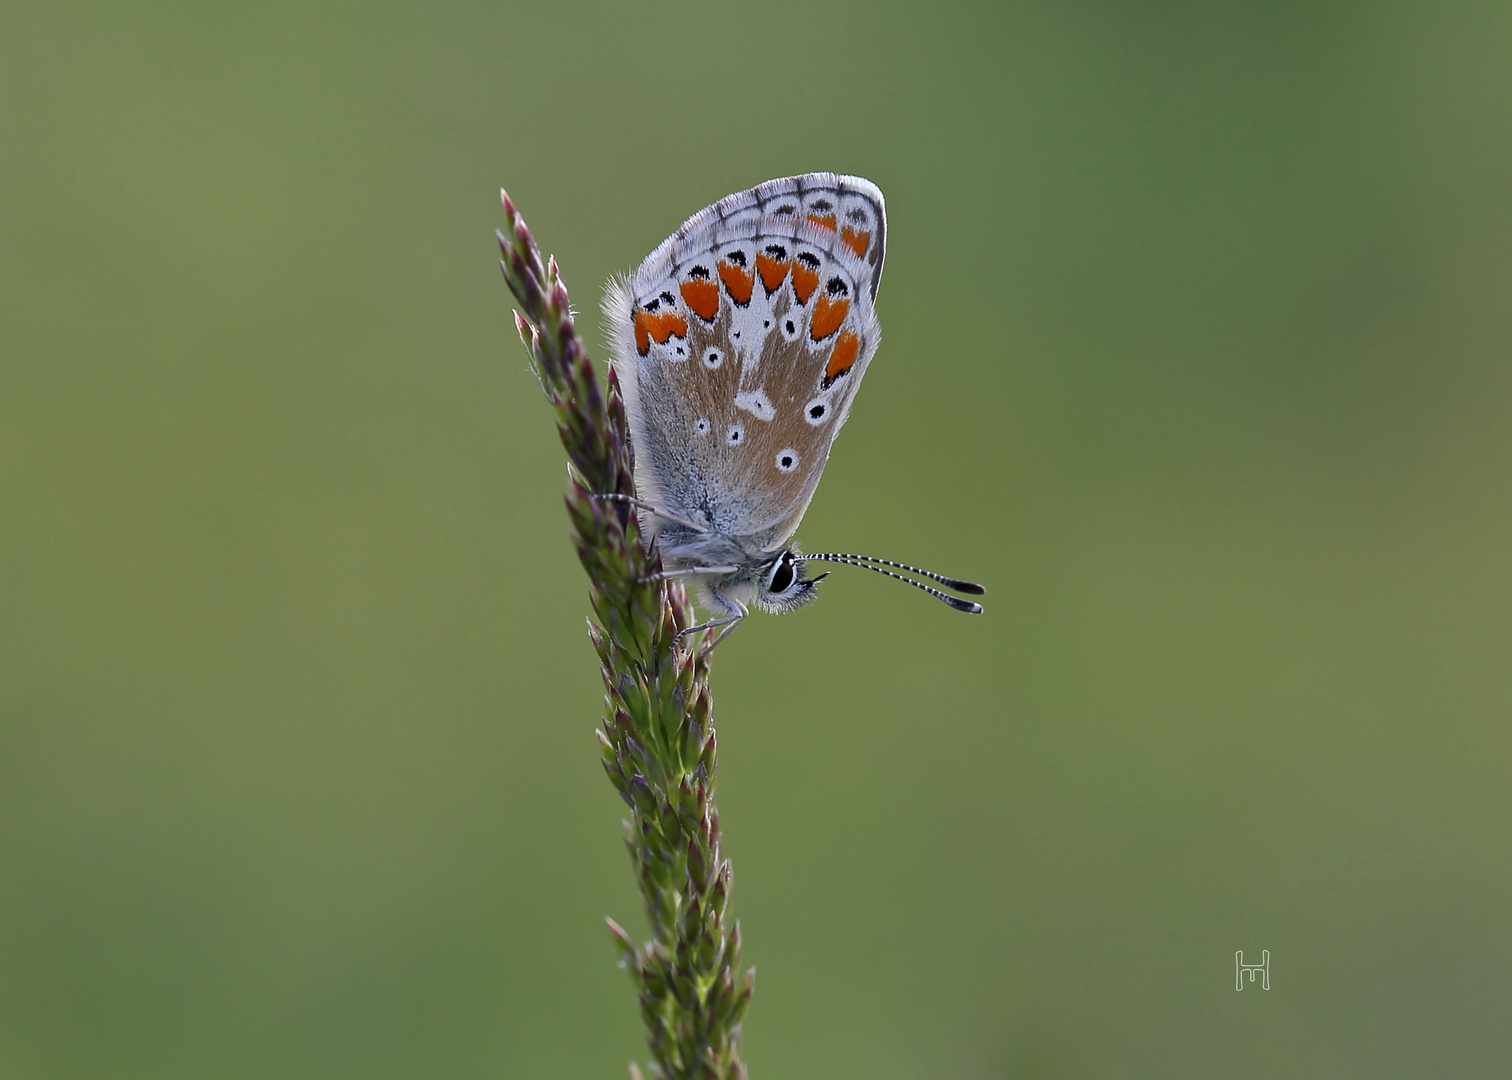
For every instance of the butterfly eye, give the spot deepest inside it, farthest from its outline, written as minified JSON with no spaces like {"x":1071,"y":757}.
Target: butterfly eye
{"x":787,"y":459}
{"x":782,"y":575}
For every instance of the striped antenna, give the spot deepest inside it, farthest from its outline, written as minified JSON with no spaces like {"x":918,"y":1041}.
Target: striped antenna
{"x":866,"y":563}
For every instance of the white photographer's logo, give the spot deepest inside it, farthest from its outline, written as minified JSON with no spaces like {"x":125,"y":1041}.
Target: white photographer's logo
{"x":1263,"y":967}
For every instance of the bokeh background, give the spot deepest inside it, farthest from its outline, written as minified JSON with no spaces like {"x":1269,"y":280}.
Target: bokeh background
{"x":1197,"y":341}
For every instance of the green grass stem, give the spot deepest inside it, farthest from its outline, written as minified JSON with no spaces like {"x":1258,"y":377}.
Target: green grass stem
{"x":657,"y":742}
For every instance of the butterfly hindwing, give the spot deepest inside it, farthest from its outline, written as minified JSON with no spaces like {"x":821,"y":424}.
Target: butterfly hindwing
{"x":740,"y":343}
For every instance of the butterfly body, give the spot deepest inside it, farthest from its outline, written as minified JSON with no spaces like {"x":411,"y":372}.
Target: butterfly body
{"x":740,"y":343}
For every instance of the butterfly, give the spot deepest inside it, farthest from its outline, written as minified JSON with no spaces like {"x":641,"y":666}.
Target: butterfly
{"x":740,"y":343}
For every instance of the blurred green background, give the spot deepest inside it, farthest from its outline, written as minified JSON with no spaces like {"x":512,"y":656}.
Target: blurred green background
{"x":1197,"y":340}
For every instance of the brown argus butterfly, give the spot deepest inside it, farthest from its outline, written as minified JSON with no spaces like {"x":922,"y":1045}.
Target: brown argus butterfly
{"x":740,"y":343}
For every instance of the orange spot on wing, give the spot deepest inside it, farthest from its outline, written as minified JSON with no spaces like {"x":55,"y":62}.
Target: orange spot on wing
{"x":772,"y":272}
{"x":738,"y":281}
{"x":658,"y":328}
{"x":858,"y":240}
{"x":805,"y":281}
{"x":702,"y":295}
{"x":828,"y":315}
{"x":842,"y":357}
{"x":824,"y":221}
{"x":671,"y":323}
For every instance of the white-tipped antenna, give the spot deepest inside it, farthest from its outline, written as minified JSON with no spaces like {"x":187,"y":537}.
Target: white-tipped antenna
{"x":866,"y":561}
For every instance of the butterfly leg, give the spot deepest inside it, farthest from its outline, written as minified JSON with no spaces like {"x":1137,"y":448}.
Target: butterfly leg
{"x":728,"y":622}
{"x":640,"y":505}
{"x":734,"y":622}
{"x":685,"y":571}
{"x":711,"y":624}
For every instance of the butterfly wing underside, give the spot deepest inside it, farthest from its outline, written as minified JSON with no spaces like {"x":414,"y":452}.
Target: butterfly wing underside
{"x":740,"y":343}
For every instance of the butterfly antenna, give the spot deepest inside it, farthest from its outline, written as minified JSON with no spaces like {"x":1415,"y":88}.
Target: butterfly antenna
{"x":953,"y":584}
{"x":865,"y":562}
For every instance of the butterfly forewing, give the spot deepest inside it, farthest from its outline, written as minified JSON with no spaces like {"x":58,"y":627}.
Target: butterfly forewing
{"x":740,"y":343}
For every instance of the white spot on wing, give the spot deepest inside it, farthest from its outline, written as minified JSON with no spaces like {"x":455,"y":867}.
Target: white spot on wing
{"x":757,"y":403}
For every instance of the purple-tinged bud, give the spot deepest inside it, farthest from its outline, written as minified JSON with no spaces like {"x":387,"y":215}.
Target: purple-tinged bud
{"x":692,"y":741}
{"x":719,"y":893}
{"x":698,"y":867}
{"x":617,"y":778}
{"x":524,"y":242}
{"x":670,"y":827}
{"x":642,"y":796}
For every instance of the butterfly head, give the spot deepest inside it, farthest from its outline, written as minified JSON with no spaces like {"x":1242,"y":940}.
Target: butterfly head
{"x":784,"y":585}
